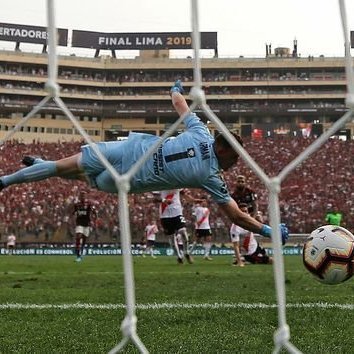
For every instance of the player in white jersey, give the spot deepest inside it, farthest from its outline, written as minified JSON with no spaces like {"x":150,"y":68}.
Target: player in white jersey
{"x":194,"y":159}
{"x":254,"y":253}
{"x":11,"y":243}
{"x":150,"y":235}
{"x":173,"y":221}
{"x":202,"y":228}
{"x":236,"y":232}
{"x":170,"y":205}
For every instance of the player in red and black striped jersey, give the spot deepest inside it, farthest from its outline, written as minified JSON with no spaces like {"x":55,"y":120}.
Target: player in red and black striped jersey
{"x":85,"y":213}
{"x":245,"y":195}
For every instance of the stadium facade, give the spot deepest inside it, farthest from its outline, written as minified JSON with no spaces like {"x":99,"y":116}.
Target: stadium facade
{"x":275,"y":95}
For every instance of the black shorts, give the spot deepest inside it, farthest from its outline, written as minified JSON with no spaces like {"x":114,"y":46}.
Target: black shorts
{"x":150,"y":243}
{"x":258,"y":257}
{"x":172,"y":225}
{"x":202,"y":233}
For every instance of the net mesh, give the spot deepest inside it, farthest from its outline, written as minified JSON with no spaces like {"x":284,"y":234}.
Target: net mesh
{"x":128,"y":326}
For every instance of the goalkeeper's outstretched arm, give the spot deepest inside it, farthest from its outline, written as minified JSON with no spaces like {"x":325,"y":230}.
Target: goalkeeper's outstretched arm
{"x":178,"y":101}
{"x":238,"y":217}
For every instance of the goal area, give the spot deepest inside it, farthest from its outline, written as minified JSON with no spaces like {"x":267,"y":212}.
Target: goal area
{"x":282,"y":340}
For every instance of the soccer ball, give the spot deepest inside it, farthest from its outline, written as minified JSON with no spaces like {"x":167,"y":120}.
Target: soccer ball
{"x":329,"y":254}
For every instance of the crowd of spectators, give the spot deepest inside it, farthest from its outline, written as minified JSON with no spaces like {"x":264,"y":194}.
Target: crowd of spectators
{"x":41,"y":210}
{"x":161,"y":91}
{"x":120,"y":83}
{"x":97,"y":108}
{"x":139,"y":75}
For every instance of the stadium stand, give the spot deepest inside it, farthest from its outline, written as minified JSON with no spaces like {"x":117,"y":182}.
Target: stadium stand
{"x":40,"y":212}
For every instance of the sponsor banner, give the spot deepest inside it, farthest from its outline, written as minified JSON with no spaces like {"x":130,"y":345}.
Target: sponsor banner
{"x":135,"y":251}
{"x":287,"y":251}
{"x":141,"y":41}
{"x":38,"y":251}
{"x":30,"y":34}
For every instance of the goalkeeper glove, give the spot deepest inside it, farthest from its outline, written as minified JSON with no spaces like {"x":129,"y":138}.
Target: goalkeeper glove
{"x":177,"y":87}
{"x":267,"y":230}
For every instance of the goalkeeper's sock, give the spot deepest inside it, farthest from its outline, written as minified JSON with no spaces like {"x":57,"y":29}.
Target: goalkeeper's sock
{"x":33,"y":173}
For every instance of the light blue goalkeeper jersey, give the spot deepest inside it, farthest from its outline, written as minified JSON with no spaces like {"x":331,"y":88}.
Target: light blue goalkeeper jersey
{"x":185,"y":161}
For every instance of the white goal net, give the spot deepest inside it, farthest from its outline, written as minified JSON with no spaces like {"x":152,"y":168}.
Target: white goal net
{"x":129,"y":323}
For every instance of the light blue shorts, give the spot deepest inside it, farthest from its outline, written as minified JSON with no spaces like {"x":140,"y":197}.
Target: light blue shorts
{"x":95,"y":171}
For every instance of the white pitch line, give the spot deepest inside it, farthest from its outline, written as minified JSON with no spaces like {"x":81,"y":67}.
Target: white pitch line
{"x":171,"y":306}
{"x":120,"y":273}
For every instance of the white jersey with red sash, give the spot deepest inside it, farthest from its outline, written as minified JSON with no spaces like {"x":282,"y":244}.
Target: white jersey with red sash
{"x":202,"y":218}
{"x":151,"y":231}
{"x":170,"y":206}
{"x":249,"y":243}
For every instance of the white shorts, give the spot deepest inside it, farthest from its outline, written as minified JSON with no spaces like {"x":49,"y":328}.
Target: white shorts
{"x":85,"y":230}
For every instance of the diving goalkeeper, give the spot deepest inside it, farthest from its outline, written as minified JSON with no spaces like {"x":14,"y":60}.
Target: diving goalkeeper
{"x":194,"y":159}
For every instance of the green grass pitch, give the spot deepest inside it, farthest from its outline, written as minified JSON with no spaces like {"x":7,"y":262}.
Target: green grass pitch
{"x":233,"y":308}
